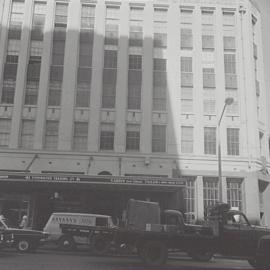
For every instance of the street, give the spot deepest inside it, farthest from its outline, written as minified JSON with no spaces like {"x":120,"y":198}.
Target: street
{"x":56,"y":260}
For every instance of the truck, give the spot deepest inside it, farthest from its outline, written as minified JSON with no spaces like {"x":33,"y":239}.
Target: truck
{"x":152,"y":234}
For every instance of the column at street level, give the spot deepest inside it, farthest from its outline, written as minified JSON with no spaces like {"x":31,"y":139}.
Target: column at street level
{"x":147,"y":80}
{"x":97,"y":73}
{"x":21,"y":76}
{"x":199,"y":204}
{"x":122,"y":80}
{"x":44,"y":76}
{"x":69,"y":76}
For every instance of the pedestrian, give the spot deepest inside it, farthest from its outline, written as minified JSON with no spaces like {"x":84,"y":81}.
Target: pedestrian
{"x":24,"y":222}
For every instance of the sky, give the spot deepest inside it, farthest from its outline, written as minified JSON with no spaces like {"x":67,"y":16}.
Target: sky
{"x":264,"y":6}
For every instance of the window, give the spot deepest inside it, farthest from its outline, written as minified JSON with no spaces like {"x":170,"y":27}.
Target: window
{"x":106,"y":136}
{"x":133,"y":138}
{"x":158,"y":138}
{"x":186,"y":100}
{"x":17,"y":14}
{"x":209,"y":101}
{"x":51,"y":135}
{"x":112,"y":12}
{"x":10,"y":71}
{"x":209,"y":78}
{"x":160,"y":34}
{"x":136,"y":13}
{"x":135,"y":62}
{"x":61,"y":11}
{"x":33,"y":73}
{"x":134,"y":82}
{"x":111,"y":34}
{"x":85,"y":52}
{"x":186,"y":16}
{"x":31,"y":93}
{"x":189,"y":198}
{"x":27,"y":134}
{"x":186,"y":72}
{"x":186,"y":139}
{"x":38,"y":21}
{"x":87,"y":17}
{"x":232,"y":109}
{"x":58,"y":52}
{"x":234,"y":192}
{"x":160,"y":14}
{"x":54,"y":98}
{"x":5,"y":128}
{"x":208,"y":42}
{"x":210,"y":140}
{"x":228,"y":18}
{"x":230,"y":63}
{"x":80,"y":136}
{"x":83,"y":94}
{"x":210,"y":191}
{"x":135,"y":34}
{"x":229,"y":43}
{"x":186,"y":38}
{"x":109,"y":79}
{"x":207,"y":17}
{"x":110,"y":59}
{"x":233,"y":141}
{"x":159,"y":85}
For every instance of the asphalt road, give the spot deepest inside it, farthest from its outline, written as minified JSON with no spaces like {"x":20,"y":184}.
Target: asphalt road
{"x":57,"y":260}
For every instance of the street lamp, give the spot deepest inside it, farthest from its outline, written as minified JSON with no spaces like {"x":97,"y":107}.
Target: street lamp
{"x":228,"y":101}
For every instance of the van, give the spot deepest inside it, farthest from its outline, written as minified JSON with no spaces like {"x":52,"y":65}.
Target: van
{"x":67,"y":242}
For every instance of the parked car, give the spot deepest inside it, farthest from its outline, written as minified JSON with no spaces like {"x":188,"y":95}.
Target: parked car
{"x":5,"y":239}
{"x":25,"y":240}
{"x":66,"y":241}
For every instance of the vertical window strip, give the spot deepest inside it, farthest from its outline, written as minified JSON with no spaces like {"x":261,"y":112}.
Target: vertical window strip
{"x":233,"y":141}
{"x":133,"y":138}
{"x":235,"y":192}
{"x":210,"y":140}
{"x":51,"y":135}
{"x":158,"y":138}
{"x":210,"y":191}
{"x":187,"y":139}
{"x":189,"y":198}
{"x":5,"y":129}
{"x":80,"y":136}
{"x":27,"y":134}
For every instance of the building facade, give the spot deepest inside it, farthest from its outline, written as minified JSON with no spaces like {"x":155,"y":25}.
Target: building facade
{"x":133,"y":88}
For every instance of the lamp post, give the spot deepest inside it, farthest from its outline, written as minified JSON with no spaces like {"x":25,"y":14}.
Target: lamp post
{"x":228,"y":101}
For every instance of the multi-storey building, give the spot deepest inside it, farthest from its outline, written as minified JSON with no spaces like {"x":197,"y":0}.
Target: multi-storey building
{"x":131,"y":88}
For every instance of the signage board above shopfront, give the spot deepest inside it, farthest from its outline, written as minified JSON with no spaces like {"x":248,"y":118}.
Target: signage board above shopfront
{"x":95,"y":179}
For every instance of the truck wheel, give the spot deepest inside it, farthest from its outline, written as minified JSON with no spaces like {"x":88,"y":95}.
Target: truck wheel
{"x":100,"y":245}
{"x":201,"y":256}
{"x":154,"y":253}
{"x":23,"y":245}
{"x":66,"y":243}
{"x":258,"y":265}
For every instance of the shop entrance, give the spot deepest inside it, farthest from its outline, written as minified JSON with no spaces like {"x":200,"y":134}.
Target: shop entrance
{"x":13,"y":207}
{"x":106,"y":202}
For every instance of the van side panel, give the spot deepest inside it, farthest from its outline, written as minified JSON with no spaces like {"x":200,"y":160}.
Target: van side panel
{"x":53,"y":225}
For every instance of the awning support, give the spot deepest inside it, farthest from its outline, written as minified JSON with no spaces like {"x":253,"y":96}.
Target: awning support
{"x":31,"y":162}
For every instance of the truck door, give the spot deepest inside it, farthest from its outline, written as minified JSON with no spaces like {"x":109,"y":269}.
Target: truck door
{"x":236,"y":237}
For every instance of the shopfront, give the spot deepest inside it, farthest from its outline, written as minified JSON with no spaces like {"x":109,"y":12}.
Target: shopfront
{"x":38,"y":195}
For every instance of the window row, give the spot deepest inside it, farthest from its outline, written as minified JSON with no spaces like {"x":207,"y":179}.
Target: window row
{"x":132,"y":137}
{"x":234,"y":187}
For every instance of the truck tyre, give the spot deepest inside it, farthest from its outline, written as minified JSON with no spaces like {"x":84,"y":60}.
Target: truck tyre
{"x":100,"y":245}
{"x":23,"y":245}
{"x":258,"y":265}
{"x":154,"y":253}
{"x":201,"y":256}
{"x":66,"y":243}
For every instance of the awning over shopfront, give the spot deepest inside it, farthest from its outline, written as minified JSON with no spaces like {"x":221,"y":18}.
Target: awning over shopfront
{"x":93,"y":181}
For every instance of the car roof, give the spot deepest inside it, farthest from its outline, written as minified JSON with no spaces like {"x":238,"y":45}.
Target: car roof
{"x":80,"y":214}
